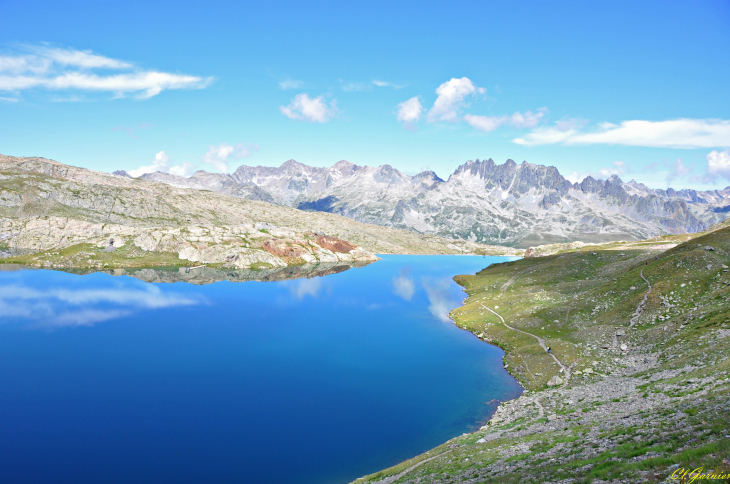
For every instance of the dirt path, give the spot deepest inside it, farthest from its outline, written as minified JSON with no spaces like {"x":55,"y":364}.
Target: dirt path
{"x":540,"y":410}
{"x":541,"y":341}
{"x":642,"y":304}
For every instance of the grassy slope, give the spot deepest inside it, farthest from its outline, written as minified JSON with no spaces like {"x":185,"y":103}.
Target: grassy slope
{"x":90,"y":257}
{"x":635,"y":413}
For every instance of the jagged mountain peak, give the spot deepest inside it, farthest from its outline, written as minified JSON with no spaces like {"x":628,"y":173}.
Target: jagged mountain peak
{"x":387,"y":174}
{"x":508,"y":203}
{"x":428,"y":176}
{"x":344,"y":164}
{"x":294,"y":166}
{"x":615,"y":180}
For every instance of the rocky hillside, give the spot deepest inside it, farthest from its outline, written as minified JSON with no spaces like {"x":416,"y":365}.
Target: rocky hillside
{"x":636,"y":387}
{"x":46,"y":206}
{"x":56,"y":242}
{"x":508,"y":204}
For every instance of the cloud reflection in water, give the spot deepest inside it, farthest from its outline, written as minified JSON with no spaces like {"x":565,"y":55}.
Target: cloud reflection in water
{"x":304,"y":287}
{"x":57,"y":307}
{"x":403,"y":285}
{"x":439,"y":297}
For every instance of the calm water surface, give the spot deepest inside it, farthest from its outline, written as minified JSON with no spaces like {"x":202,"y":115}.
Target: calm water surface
{"x":322,"y":380}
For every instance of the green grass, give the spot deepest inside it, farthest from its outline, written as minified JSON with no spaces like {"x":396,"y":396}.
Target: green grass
{"x":88,"y":256}
{"x":550,"y":297}
{"x":259,"y":266}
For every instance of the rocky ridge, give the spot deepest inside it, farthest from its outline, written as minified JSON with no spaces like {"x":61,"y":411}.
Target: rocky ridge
{"x":508,"y":204}
{"x":37,"y":241}
{"x":47,"y":206}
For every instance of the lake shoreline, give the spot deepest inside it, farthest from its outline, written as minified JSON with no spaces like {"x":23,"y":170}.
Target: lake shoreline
{"x":644,"y":388}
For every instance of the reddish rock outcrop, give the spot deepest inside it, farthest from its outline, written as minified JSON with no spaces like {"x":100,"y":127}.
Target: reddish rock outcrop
{"x":334,"y":244}
{"x":281,"y":248}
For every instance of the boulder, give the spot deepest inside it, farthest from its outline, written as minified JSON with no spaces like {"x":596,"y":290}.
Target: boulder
{"x":555,"y":381}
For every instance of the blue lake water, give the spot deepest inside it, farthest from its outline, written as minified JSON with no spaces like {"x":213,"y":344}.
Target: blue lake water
{"x":321,"y":380}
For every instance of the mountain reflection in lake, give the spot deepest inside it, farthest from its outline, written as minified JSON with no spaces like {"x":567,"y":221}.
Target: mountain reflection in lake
{"x":321,"y":378}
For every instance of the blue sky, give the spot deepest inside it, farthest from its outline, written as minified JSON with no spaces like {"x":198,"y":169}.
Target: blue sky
{"x":634,"y":88}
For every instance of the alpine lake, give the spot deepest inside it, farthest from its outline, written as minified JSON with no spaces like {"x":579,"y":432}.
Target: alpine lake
{"x":168,"y":375}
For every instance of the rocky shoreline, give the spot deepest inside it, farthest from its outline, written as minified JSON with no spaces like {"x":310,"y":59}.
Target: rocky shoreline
{"x":55,"y":242}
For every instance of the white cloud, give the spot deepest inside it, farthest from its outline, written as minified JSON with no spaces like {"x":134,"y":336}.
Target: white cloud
{"x":68,"y":99}
{"x":186,"y":169}
{"x":68,"y":69}
{"x":484,"y":123}
{"x":677,"y":133}
{"x":677,"y":170}
{"x":219,"y":156}
{"x":616,"y":169}
{"x":9,"y":99}
{"x":388,"y":84}
{"x":23,"y":63}
{"x":528,"y":119}
{"x":356,"y":86}
{"x":545,"y":136}
{"x":162,"y":164}
{"x":718,"y":164}
{"x":452,"y":98}
{"x":403,"y":284}
{"x":77,"y":58}
{"x":570,"y":123}
{"x":575,"y":177}
{"x":367,"y":86}
{"x":291,"y":84}
{"x":409,"y":112}
{"x":314,"y":110}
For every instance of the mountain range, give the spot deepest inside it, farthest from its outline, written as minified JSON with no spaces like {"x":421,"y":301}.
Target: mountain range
{"x":46,"y":205}
{"x":518,"y":205}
